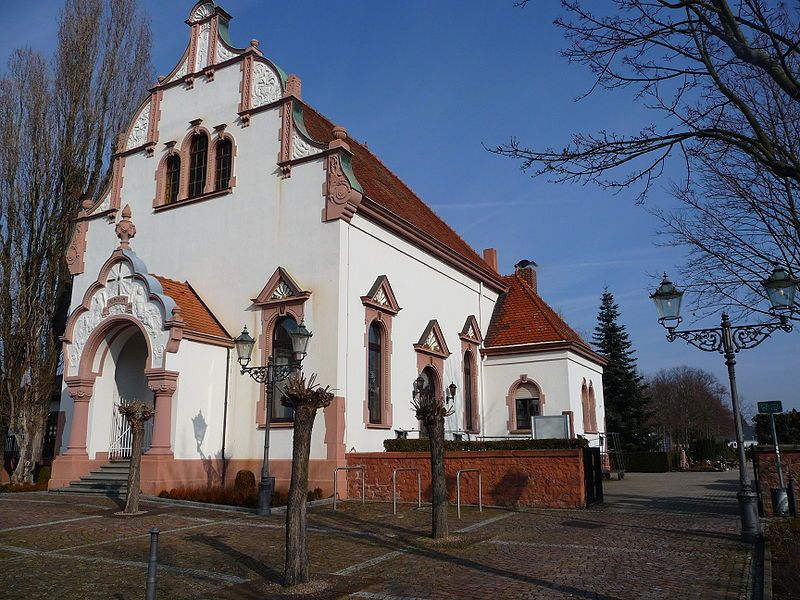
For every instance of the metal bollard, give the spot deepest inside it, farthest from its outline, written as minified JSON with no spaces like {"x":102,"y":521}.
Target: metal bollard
{"x":152,"y":565}
{"x":792,"y":496}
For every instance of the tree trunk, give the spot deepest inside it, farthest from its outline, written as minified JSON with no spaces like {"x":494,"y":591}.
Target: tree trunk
{"x":439,"y":482}
{"x":29,"y":430}
{"x":296,"y":568}
{"x":134,"y":474}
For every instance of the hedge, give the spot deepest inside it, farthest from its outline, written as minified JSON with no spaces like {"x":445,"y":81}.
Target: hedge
{"x":651,"y":462}
{"x":787,"y":426}
{"x":422,"y":445}
{"x":712,"y":450}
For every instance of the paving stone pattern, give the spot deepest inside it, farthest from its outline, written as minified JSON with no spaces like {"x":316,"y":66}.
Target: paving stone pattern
{"x":657,"y":536}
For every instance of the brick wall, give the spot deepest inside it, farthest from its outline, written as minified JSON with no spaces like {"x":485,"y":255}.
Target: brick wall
{"x":768,"y":472}
{"x":543,"y":478}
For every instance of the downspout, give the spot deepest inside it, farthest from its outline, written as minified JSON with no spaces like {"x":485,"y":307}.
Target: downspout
{"x":225,"y":411}
{"x":482,"y":400}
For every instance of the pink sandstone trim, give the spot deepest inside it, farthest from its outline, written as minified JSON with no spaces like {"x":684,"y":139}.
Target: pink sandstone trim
{"x":511,"y":425}
{"x":384,"y":321}
{"x":163,"y":385}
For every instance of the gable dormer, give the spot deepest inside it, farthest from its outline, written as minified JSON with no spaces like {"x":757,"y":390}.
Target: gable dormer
{"x":381,"y":297}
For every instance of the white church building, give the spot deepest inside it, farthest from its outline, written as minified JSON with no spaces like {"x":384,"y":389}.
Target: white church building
{"x":234,"y":203}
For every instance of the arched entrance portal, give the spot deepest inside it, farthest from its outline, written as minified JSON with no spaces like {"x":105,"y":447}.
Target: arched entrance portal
{"x":130,"y":385}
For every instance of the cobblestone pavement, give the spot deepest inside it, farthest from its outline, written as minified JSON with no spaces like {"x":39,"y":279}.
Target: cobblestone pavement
{"x":657,"y":536}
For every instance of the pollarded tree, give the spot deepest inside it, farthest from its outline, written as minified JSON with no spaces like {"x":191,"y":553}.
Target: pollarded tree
{"x":432,"y":410}
{"x":625,"y":398}
{"x":137,"y":414}
{"x":305,"y":398}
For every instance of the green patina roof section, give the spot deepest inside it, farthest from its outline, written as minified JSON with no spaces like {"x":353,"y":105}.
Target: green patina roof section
{"x":224,"y":33}
{"x":347,"y":169}
{"x":297,"y":113}
{"x":281,"y":73}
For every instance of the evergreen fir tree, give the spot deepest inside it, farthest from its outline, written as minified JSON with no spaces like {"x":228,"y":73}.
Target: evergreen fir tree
{"x":626,"y":401}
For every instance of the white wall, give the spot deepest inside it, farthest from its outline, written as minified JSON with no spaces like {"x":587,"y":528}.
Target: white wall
{"x":425,"y":289}
{"x":559,"y":375}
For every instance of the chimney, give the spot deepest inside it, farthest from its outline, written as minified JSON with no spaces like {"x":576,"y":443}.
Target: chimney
{"x":526,"y":270}
{"x":490,"y":258}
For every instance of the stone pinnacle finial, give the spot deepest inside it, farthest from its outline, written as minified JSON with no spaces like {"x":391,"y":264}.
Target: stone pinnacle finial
{"x":339,"y":137}
{"x":125,"y":229}
{"x":292,"y":86}
{"x":87,"y":204}
{"x":254,"y":43}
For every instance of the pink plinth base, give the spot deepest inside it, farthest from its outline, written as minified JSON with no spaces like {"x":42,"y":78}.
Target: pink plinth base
{"x":70,"y":467}
{"x":164,"y":472}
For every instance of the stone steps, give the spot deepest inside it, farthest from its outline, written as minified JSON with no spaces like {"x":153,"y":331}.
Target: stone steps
{"x":110,"y":480}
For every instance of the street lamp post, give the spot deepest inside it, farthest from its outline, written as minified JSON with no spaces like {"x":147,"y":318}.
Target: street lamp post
{"x":270,"y":374}
{"x":729,"y":339}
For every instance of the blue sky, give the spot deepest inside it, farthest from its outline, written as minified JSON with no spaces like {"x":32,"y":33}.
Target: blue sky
{"x":426,"y":85}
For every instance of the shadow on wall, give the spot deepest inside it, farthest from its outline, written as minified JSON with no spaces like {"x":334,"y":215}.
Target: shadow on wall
{"x":213,"y":464}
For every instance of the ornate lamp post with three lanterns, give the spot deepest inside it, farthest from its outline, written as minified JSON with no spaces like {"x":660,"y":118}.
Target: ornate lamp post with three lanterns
{"x":729,"y":339}
{"x":269,"y":375}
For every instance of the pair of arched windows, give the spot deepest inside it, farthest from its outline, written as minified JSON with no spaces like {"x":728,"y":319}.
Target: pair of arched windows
{"x":198,"y":164}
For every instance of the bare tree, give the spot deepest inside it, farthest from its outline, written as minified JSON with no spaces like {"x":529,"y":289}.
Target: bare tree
{"x":689,"y":404}
{"x":432,"y":410}
{"x":723,"y":79}
{"x":60,"y":122}
{"x":306,"y":399}
{"x":137,"y":414}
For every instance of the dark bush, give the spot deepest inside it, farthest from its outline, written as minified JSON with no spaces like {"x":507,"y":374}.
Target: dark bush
{"x":43,"y":476}
{"x":711,"y":450}
{"x":422,"y":445}
{"x":245,"y":482}
{"x":787,"y":426}
{"x":651,"y":462}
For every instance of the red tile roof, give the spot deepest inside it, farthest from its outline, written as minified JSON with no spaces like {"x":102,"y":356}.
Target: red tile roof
{"x":522,"y":317}
{"x":195,"y":314}
{"x":389,"y":191}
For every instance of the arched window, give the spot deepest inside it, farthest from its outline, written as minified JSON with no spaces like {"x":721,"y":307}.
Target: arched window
{"x":282,"y":352}
{"x":592,"y":402}
{"x":469,"y":401}
{"x":527,"y":405}
{"x":222,"y":170}
{"x":198,"y":157}
{"x":374,"y":377}
{"x":172,"y":178}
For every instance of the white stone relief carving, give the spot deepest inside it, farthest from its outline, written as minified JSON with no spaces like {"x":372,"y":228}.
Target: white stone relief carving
{"x":202,"y":46}
{"x":380,"y":298}
{"x":223,"y":53}
{"x":281,"y":291}
{"x":266,"y":86}
{"x":202,"y":11}
{"x":471,"y":333}
{"x":120,"y":282}
{"x":105,"y":204}
{"x":180,"y":72}
{"x":432,"y":343}
{"x":138,"y":134}
{"x":301,"y":147}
